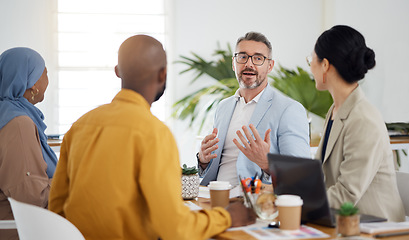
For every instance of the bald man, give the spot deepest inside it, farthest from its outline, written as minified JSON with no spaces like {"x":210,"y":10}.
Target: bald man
{"x":118,"y":176}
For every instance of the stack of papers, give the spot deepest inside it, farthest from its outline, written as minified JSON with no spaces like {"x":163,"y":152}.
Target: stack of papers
{"x":275,"y":233}
{"x":192,"y":206}
{"x":384,"y":229}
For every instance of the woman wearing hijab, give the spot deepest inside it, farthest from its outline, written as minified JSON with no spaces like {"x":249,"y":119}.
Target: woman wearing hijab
{"x":27,"y":163}
{"x":355,"y":150}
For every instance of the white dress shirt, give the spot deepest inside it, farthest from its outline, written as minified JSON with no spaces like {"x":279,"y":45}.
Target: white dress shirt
{"x":241,"y":116}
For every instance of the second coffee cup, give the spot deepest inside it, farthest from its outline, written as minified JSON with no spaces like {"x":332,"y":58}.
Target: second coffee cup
{"x":289,"y":211}
{"x":219,"y":193}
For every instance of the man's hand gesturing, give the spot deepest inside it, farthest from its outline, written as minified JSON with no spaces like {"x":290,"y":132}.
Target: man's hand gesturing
{"x":208,"y":145}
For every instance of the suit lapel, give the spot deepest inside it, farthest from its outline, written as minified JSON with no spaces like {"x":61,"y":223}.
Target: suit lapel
{"x":227,"y":112}
{"x":343,"y":113}
{"x":262,"y":107}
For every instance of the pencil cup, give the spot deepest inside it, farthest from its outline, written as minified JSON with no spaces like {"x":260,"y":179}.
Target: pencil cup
{"x":289,"y":211}
{"x":219,"y":193}
{"x":265,"y":207}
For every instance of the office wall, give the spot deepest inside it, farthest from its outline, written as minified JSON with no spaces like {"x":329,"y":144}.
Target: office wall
{"x":198,"y":26}
{"x":194,"y":25}
{"x":385,"y":25}
{"x":30,"y":23}
{"x":293,"y":27}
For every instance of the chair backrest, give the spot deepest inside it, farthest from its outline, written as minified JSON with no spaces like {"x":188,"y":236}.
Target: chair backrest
{"x":7,"y":224}
{"x":403,"y":187}
{"x":34,"y":222}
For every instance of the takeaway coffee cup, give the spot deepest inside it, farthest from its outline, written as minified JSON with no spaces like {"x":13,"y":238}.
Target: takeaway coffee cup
{"x":289,"y":211}
{"x":219,"y":193}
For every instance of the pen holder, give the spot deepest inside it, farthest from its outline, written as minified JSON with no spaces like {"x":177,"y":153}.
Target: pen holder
{"x":263,"y":205}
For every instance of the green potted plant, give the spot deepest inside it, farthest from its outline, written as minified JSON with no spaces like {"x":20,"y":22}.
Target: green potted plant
{"x":348,"y":220}
{"x":190,"y":182}
{"x":224,"y":86}
{"x":300,"y":86}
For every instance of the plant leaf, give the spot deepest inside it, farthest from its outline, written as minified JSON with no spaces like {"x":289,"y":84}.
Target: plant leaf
{"x":301,"y":87}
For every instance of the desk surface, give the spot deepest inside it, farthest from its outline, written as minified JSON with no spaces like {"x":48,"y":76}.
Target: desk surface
{"x":399,"y":140}
{"x":241,"y":235}
{"x":54,"y":142}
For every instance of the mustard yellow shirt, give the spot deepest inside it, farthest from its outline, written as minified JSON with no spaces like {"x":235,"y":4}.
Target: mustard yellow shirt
{"x":118,"y":177}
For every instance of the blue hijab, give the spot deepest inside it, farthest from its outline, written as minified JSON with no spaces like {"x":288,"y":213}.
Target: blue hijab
{"x":20,"y":69}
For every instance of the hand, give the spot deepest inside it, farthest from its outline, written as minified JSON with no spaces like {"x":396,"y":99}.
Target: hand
{"x":208,"y":145}
{"x":240,"y":215}
{"x":254,"y":149}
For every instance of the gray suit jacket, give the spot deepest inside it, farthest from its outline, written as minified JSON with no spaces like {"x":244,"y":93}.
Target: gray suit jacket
{"x":358,"y":165}
{"x":289,"y":131}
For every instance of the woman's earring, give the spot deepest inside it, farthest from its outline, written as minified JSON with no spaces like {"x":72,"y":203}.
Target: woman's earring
{"x":324,"y":78}
{"x":33,"y":95}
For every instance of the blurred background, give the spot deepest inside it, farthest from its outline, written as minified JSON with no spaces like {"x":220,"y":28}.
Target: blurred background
{"x":79,"y":40}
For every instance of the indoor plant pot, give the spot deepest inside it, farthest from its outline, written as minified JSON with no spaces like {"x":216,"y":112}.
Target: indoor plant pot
{"x":348,"y":220}
{"x":190,"y":182}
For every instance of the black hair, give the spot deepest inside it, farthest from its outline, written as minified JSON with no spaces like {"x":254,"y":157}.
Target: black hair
{"x":345,"y":48}
{"x":257,"y":37}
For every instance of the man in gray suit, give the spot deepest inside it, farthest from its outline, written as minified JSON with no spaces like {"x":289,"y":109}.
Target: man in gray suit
{"x":236,"y":147}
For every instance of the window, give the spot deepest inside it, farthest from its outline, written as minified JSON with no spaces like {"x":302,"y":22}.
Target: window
{"x":89,"y":35}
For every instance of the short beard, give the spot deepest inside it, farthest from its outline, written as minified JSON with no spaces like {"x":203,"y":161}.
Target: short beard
{"x":160,"y":93}
{"x":254,"y":85}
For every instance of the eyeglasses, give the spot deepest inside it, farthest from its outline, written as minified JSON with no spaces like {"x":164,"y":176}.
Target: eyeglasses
{"x":256,"y":59}
{"x":309,"y":59}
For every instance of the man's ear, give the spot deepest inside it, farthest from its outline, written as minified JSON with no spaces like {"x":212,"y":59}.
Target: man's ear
{"x":117,"y":71}
{"x":232,"y":65}
{"x":162,"y":75}
{"x":270,"y":65}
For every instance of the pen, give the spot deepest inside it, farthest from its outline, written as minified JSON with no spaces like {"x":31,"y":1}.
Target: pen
{"x":381,"y":235}
{"x":245,"y":192}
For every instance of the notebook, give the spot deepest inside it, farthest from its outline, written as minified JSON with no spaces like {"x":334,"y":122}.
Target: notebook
{"x":304,"y":177}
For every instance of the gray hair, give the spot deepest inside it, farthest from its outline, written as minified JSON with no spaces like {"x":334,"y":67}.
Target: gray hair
{"x":257,"y":37}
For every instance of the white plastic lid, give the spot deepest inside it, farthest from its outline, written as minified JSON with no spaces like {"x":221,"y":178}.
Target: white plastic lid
{"x":219,"y":185}
{"x":288,"y":201}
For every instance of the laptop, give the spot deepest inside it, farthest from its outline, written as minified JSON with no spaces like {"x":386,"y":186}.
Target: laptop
{"x":304,"y":177}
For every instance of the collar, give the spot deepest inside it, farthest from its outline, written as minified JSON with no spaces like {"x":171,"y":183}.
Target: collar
{"x":237,"y":96}
{"x":131,"y":96}
{"x":355,"y":96}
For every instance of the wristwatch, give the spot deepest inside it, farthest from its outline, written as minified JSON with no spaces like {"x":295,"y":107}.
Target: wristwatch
{"x":198,"y":158}
{"x":265,"y":176}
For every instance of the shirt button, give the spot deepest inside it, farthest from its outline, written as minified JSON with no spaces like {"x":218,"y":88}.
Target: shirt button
{"x":28,"y":173}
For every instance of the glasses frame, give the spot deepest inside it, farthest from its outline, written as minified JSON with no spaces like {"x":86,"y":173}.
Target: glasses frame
{"x":251,"y":56}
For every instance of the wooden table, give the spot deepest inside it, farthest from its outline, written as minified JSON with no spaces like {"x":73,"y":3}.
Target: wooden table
{"x":399,"y":143}
{"x":54,"y":142}
{"x":241,"y":235}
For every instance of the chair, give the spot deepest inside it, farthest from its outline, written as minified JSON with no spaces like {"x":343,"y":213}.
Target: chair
{"x":38,"y":223}
{"x":403,"y":180}
{"x":7,"y":224}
